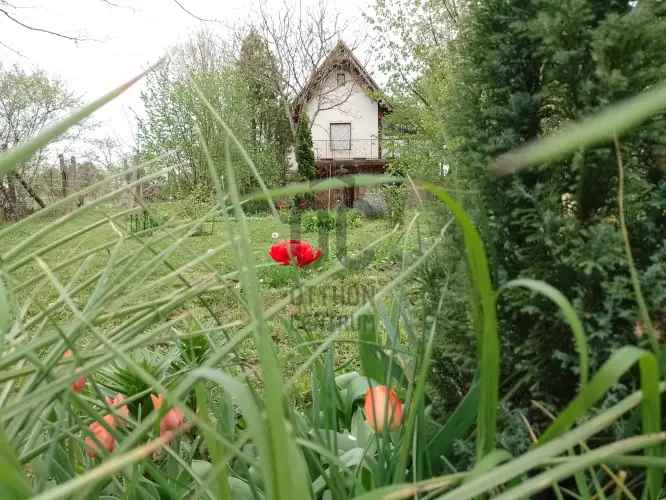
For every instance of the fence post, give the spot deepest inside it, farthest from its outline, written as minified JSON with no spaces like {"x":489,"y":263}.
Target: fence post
{"x":63,"y":174}
{"x":74,"y":170}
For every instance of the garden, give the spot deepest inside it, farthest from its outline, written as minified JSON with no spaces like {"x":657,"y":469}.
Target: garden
{"x":205,"y":321}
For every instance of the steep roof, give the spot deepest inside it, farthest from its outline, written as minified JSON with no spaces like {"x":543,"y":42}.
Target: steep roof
{"x":340,"y":54}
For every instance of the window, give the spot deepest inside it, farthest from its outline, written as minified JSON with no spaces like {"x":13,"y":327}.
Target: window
{"x":340,"y":136}
{"x":341,"y":79}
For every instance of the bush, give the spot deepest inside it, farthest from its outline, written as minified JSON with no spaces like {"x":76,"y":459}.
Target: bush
{"x":317,"y":221}
{"x":327,"y":221}
{"x":195,"y":203}
{"x":256,"y":207}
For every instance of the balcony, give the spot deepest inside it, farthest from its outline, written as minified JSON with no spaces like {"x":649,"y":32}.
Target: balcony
{"x":354,"y":149}
{"x":368,"y":150}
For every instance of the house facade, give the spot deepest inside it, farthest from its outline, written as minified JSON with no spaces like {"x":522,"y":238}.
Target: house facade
{"x":345,"y":111}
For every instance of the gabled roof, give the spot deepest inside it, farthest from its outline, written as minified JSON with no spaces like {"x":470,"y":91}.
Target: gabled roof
{"x":340,"y":54}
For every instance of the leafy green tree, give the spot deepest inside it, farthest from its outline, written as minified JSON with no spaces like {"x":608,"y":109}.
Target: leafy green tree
{"x":29,"y":101}
{"x":175,"y":111}
{"x":305,"y":157}
{"x":521,"y":70}
{"x":269,"y":120}
{"x":511,"y":73}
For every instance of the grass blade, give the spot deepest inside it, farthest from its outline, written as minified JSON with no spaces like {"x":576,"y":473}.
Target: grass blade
{"x":607,"y":376}
{"x":600,"y":128}
{"x":569,"y":314}
{"x":484,"y":318}
{"x":11,"y":159}
{"x":544,"y":480}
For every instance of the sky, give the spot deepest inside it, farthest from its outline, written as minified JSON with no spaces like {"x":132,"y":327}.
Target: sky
{"x":120,"y":41}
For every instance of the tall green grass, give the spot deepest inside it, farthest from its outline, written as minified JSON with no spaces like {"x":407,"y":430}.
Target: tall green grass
{"x":323,"y":450}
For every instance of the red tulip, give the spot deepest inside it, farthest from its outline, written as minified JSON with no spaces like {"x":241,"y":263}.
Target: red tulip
{"x":80,"y":383}
{"x":287,"y":251}
{"x":382,"y":408}
{"x":123,"y":410}
{"x":102,"y":435}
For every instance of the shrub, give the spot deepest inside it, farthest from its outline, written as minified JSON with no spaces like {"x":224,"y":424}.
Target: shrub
{"x":195,"y":203}
{"x":318,"y":221}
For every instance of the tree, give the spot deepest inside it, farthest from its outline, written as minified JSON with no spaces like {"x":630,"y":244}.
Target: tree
{"x":305,"y":157}
{"x":505,"y":73}
{"x":518,"y":71}
{"x":175,"y":112}
{"x":300,"y":40}
{"x":29,"y":101}
{"x":269,"y":123}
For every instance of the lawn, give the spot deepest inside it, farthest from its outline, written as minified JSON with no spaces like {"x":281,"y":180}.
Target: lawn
{"x":141,"y":280}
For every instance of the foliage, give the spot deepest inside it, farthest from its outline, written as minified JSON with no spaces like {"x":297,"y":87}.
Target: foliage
{"x":560,"y":224}
{"x":253,"y":442}
{"x":515,"y":72}
{"x":305,"y":158}
{"x":29,"y":102}
{"x":195,"y":203}
{"x":325,"y":221}
{"x":178,"y":123}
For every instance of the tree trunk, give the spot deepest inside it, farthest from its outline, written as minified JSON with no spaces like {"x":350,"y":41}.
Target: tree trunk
{"x":8,"y":208}
{"x":28,"y":188}
{"x":63,"y":173}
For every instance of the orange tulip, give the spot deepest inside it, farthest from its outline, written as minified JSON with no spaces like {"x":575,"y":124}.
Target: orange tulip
{"x":103,"y":436}
{"x":80,"y":383}
{"x":123,"y":410}
{"x":382,"y":408}
{"x":157,"y":401}
{"x":172,"y":421}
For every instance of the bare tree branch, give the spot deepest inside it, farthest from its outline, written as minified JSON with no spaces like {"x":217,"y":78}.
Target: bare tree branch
{"x":11,"y":49}
{"x":190,"y":13}
{"x":41,"y":30}
{"x":117,"y":5}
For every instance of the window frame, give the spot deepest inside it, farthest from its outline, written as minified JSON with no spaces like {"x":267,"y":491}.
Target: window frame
{"x":344,"y":78}
{"x":334,"y":141}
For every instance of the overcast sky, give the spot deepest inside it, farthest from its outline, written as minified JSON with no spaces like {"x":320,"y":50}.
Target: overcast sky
{"x":123,"y":41}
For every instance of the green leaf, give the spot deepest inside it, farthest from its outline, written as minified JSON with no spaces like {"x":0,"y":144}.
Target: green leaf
{"x":240,"y":490}
{"x":607,"y":376}
{"x":651,"y":420}
{"x":457,"y":425}
{"x":5,"y":311}
{"x":569,"y":314}
{"x":484,"y":319}
{"x":283,"y":464}
{"x":409,"y":491}
{"x":504,"y":473}
{"x":13,"y":483}
{"x":372,"y":359}
{"x":529,"y":487}
{"x":600,"y":128}
{"x":491,"y":460}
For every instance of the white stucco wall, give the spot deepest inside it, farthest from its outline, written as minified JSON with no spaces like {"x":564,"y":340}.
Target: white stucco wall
{"x":346,"y":104}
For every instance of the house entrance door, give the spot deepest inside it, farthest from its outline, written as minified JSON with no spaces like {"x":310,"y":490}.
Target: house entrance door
{"x":349,"y":197}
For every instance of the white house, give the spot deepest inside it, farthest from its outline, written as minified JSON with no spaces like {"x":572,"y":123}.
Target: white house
{"x":345,"y":110}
